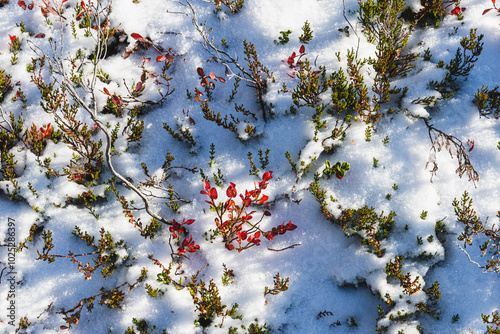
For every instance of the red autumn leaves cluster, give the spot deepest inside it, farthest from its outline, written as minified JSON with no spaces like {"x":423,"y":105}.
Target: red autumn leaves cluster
{"x":291,"y":59}
{"x":457,"y":11}
{"x":42,"y":133}
{"x":187,"y":245}
{"x":292,"y":63}
{"x":46,"y":9}
{"x":239,"y":230}
{"x":161,"y":58}
{"x":204,"y":79}
{"x":204,"y":82}
{"x":135,"y":92}
{"x":36,"y":138}
{"x":279,"y":230}
{"x":22,"y":4}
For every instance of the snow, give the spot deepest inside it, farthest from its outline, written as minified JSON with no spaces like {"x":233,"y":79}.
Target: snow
{"x":332,"y":278}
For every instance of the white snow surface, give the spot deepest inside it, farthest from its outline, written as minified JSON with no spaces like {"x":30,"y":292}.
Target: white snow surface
{"x":332,"y":278}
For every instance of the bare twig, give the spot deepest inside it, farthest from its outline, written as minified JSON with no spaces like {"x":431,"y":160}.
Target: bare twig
{"x":47,"y":309}
{"x":282,"y":249}
{"x":468,"y":256}
{"x":1,"y":274}
{"x":453,"y":145}
{"x":353,"y":30}
{"x":5,"y":121}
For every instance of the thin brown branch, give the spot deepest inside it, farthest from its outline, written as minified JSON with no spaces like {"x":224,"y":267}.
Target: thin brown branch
{"x":282,"y":249}
{"x":353,"y":30}
{"x":454,"y":146}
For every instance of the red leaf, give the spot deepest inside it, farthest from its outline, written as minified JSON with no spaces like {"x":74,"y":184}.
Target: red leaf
{"x":455,"y":11}
{"x":106,"y":91}
{"x":487,"y":10}
{"x":22,"y":4}
{"x":206,"y":185}
{"x":230,"y":247}
{"x":12,"y":38}
{"x":213,"y":193}
{"x":472,"y":147}
{"x":221,"y":79}
{"x":242,"y":235}
{"x":189,"y":221}
{"x":212,"y":75}
{"x":79,"y":16}
{"x":139,"y":86}
{"x":231,"y":190}
{"x":145,"y":60}
{"x":116,"y":100}
{"x":263,"y":199}
{"x":170,"y":58}
{"x":40,"y":35}
{"x":257,"y":234}
{"x":200,"y":71}
{"x":493,"y":1}
{"x":45,"y":11}
{"x":290,"y":226}
{"x":136,"y":36}
{"x":160,"y":58}
{"x":82,"y":4}
{"x":267,"y":176}
{"x":31,"y":5}
{"x":302,"y":49}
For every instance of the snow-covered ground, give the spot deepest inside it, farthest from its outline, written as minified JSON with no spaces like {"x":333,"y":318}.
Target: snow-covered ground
{"x":334,"y":282}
